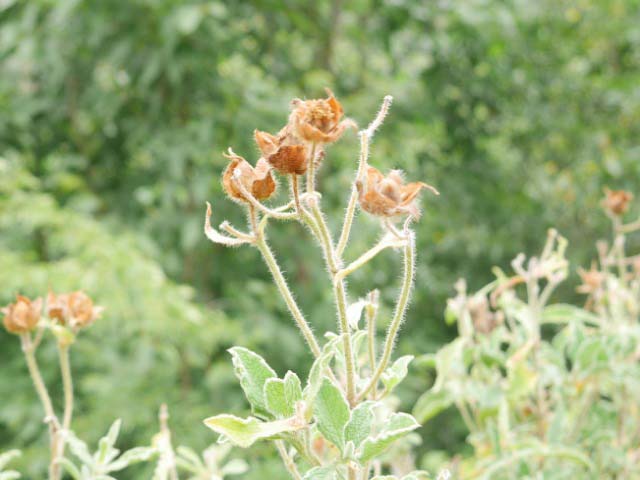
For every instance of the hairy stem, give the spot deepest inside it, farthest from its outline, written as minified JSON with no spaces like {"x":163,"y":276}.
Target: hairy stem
{"x":67,"y":384}
{"x":398,"y":316}
{"x":281,"y":283}
{"x":41,"y":389}
{"x":371,"y":311}
{"x":287,"y":460}
{"x":367,"y":257}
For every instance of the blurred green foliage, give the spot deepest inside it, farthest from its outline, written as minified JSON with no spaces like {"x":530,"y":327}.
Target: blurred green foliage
{"x":115,"y":114}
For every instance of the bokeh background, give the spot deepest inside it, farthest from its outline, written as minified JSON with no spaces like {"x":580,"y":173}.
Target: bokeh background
{"x":113,"y":118}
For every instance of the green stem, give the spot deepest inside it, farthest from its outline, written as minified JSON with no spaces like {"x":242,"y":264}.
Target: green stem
{"x":398,"y":316}
{"x":281,"y":283}
{"x":45,"y":400}
{"x":287,"y":460}
{"x":371,"y":311}
{"x":67,"y":384}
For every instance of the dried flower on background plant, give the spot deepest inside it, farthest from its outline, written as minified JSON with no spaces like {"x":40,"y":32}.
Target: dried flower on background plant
{"x":23,"y":315}
{"x":616,"y":202}
{"x":257,"y":181}
{"x":389,"y":196}
{"x":318,"y":121}
{"x":591,"y":280}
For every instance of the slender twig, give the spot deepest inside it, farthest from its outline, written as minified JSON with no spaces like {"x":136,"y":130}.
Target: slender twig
{"x":287,"y":460}
{"x":365,"y":139}
{"x":296,"y":193}
{"x":50,"y":417}
{"x":371,"y":311}
{"x":67,"y":384}
{"x":368,"y":256}
{"x":398,"y":316}
{"x":281,"y":283}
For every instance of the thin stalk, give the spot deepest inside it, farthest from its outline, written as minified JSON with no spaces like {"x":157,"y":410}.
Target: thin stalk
{"x":324,"y":237}
{"x":367,"y":257}
{"x":311,"y":171}
{"x":287,"y":460}
{"x":45,"y":400}
{"x":67,"y":384}
{"x":398,"y":316}
{"x":296,"y":193}
{"x":371,"y":311}
{"x":281,"y":283}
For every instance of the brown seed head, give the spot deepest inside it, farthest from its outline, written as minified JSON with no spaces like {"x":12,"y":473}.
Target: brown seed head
{"x":389,"y":196}
{"x":82,"y":312}
{"x":284,"y":152}
{"x":23,"y":315}
{"x":591,"y":280}
{"x":616,"y":202}
{"x":318,"y":121}
{"x":258,"y":181}
{"x":57,"y":307}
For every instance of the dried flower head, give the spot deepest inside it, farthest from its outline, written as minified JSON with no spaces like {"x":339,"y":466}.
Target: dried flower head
{"x":23,"y":315}
{"x":592,"y":279}
{"x":389,"y":196}
{"x":483,"y":319}
{"x":257,"y":181}
{"x":616,"y":202}
{"x":57,"y":307}
{"x":318,"y":121}
{"x":81,"y":310}
{"x":283,"y":151}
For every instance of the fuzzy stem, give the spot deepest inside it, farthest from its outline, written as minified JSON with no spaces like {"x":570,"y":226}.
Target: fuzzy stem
{"x":367,"y":257}
{"x":281,"y":283}
{"x":287,"y":460}
{"x":353,"y":199}
{"x":398,"y":316}
{"x":296,"y":193}
{"x":67,"y":383}
{"x":45,"y":399}
{"x":371,"y":311}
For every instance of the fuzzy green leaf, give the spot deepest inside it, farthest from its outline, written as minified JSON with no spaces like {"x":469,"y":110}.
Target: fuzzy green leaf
{"x":253,"y":372}
{"x":275,"y":398}
{"x":321,"y":473}
{"x":244,"y":432}
{"x":292,"y":390}
{"x":396,"y":427}
{"x":431,"y":403}
{"x":359,"y":426}
{"x":396,"y":373}
{"x":332,"y":413}
{"x":316,"y":374}
{"x":135,"y":455}
{"x":6,"y":457}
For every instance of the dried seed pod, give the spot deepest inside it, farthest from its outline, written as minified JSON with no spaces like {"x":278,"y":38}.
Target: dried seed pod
{"x":318,"y":121}
{"x":23,"y":315}
{"x":258,"y":181}
{"x":616,"y":202}
{"x":388,"y":196}
{"x":284,"y":152}
{"x":81,"y":310}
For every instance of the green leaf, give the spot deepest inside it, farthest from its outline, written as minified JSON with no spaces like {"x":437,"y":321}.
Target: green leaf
{"x":70,"y":467}
{"x":316,"y":374}
{"x":564,"y":313}
{"x":7,"y":456}
{"x":244,"y":432}
{"x":253,"y":372}
{"x":332,"y":413}
{"x":398,"y":426}
{"x":292,"y":390}
{"x":275,"y":398}
{"x":9,"y":475}
{"x":359,"y":426}
{"x":396,"y":372}
{"x":321,"y":473}
{"x":135,"y":455}
{"x":431,"y":403}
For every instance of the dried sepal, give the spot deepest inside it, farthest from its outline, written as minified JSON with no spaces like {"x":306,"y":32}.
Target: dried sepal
{"x":215,"y":236}
{"x":23,"y":315}
{"x":616,"y":202}
{"x":75,"y":309}
{"x":388,"y":196}
{"x":320,"y":120}
{"x":592,"y":280}
{"x":258,"y":181}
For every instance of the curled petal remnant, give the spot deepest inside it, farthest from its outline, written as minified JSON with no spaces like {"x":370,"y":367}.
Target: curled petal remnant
{"x":284,"y":151}
{"x":389,"y":196}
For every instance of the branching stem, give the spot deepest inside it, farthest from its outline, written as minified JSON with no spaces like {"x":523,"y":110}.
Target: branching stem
{"x":398,"y":316}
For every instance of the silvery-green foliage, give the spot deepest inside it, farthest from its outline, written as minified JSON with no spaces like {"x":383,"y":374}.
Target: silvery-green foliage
{"x":5,"y":458}
{"x":545,"y":389}
{"x":211,"y":465}
{"x":106,"y":460}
